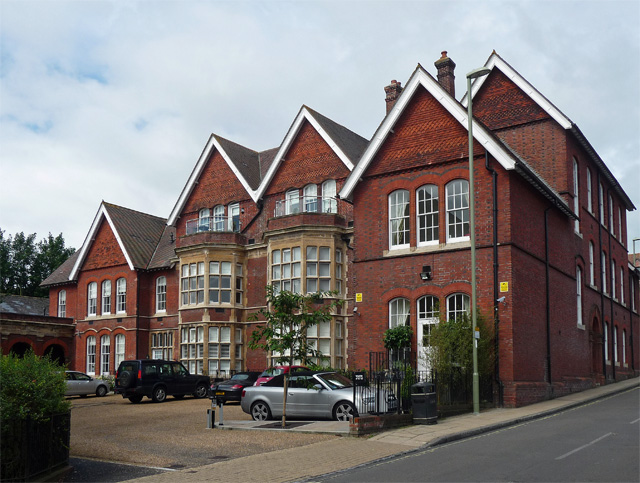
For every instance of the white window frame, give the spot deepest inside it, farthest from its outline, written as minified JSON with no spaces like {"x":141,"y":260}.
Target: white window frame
{"x":310,"y":198}
{"x":399,"y":312}
{"x":105,"y":354}
{"x":121,"y":295}
{"x":603,"y":271}
{"x":589,"y":192}
{"x":592,"y":268}
{"x":161,"y":294}
{"x":576,"y":200}
{"x":624,"y":347}
{"x":218,"y":218}
{"x":457,"y":206}
{"x":91,"y":355}
{"x":292,"y":202}
{"x":204,"y":219}
{"x":622,"y":285}
{"x":615,"y":345}
{"x":612,"y":228}
{"x":579,"y":296}
{"x":92,"y":299}
{"x":601,"y":204}
{"x":399,"y":224}
{"x":106,"y":297}
{"x":428,"y":215}
{"x":234,"y":217}
{"x":192,"y":284}
{"x":119,"y":350}
{"x":62,"y":303}
{"x":329,"y":203}
{"x":613,"y":279}
{"x":606,"y":341}
{"x":220,"y":283}
{"x":457,"y":305}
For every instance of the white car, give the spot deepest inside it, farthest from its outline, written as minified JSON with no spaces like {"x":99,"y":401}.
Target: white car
{"x":80,"y":384}
{"x":316,"y":395}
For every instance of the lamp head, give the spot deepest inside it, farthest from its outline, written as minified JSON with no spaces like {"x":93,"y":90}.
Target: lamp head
{"x":475,"y":73}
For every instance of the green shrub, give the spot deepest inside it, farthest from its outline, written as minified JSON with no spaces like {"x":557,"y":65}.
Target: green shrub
{"x":398,"y":337}
{"x":31,"y":386}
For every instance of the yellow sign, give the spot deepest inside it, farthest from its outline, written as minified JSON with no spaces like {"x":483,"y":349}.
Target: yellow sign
{"x":504,"y":286}
{"x":358,"y":297}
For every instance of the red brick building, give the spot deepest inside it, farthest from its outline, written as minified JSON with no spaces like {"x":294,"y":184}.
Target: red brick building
{"x":385,"y":223}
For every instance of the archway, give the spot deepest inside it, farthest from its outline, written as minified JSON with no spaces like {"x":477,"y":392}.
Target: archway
{"x":56,"y":352}
{"x":20,"y":348}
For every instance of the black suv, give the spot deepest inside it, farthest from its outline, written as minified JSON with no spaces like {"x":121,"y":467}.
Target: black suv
{"x":158,"y":379}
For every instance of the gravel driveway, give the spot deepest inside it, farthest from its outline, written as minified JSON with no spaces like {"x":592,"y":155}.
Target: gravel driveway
{"x":172,"y":434}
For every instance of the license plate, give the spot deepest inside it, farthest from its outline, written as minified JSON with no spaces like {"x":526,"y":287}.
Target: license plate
{"x":219,"y":393}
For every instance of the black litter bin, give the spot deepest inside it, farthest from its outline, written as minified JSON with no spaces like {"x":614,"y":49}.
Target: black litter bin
{"x":423,"y":402}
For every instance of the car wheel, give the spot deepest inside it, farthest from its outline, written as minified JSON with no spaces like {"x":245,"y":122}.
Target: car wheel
{"x":178,"y":396}
{"x":159,"y":394}
{"x":260,"y":411}
{"x":344,"y":411}
{"x":201,"y":391}
{"x":125,"y":379}
{"x":101,"y":391}
{"x":135,"y":399}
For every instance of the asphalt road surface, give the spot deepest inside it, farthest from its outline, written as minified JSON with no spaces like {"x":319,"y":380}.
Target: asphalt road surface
{"x":596,"y":442}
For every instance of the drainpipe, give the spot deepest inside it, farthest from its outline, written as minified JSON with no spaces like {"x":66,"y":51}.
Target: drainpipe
{"x":612,"y":333}
{"x":600,"y":203}
{"x":496,"y":320}
{"x":546,"y":274}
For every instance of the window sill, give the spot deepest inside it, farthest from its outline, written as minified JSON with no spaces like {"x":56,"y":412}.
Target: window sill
{"x":581,"y":327}
{"x":578,"y":234}
{"x":426,"y":249}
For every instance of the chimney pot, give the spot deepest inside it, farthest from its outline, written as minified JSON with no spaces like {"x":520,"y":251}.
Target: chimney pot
{"x":392,"y":92}
{"x":446,"y":78}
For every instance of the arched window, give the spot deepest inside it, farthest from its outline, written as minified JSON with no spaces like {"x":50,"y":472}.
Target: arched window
{"x":119,"y":350}
{"x":592,"y":270}
{"x":204,"y":220}
{"x":457,"y":306}
{"x":589,"y":192}
{"x":62,"y":303}
{"x":622,"y":285}
{"x":399,"y":312}
{"x":606,"y":341}
{"x":218,"y":218}
{"x":428,"y":213}
{"x":105,"y":352}
{"x":601,"y":203}
{"x":91,"y":354}
{"x":399,"y":219}
{"x":292,"y":205}
{"x":329,"y":203}
{"x":310,"y":193}
{"x":613,"y":278}
{"x":611,"y":225}
{"x":624,"y":346}
{"x":603,"y":271}
{"x":161,"y":294}
{"x":92,"y":299}
{"x":615,"y":344}
{"x":121,"y":287}
{"x":106,"y":297}
{"x":579,"y":294}
{"x":458,"y":210}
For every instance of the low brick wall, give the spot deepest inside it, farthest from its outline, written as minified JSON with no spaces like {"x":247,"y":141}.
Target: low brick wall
{"x":364,"y":425}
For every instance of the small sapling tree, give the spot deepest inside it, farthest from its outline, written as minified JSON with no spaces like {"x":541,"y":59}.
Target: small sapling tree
{"x":283,"y":332}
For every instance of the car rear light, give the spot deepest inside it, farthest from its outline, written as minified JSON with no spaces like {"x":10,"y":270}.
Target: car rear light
{"x":243,"y":393}
{"x":237,"y":386}
{"x":139,"y":374}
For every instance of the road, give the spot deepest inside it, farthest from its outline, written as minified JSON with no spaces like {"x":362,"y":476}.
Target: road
{"x":596,"y":442}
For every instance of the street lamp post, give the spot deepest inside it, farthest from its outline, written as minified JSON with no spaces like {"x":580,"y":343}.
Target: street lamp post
{"x":472,"y":229}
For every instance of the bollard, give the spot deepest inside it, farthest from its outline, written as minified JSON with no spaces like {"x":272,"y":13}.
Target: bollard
{"x":220,"y":421}
{"x":211,"y":418}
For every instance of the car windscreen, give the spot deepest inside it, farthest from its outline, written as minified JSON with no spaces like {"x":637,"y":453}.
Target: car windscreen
{"x":241,"y":377}
{"x":275,"y":371}
{"x":335,"y":380}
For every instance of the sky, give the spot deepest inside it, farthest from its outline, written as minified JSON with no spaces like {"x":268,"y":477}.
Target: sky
{"x":115,"y":100}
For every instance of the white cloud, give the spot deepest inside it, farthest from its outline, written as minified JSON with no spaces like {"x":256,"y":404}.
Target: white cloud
{"x":115,"y":100}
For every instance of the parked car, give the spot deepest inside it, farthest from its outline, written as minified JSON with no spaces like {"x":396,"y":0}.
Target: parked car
{"x":231,"y":389}
{"x":317,"y":395}
{"x":270,"y":373}
{"x":81,"y":384}
{"x":158,"y":379}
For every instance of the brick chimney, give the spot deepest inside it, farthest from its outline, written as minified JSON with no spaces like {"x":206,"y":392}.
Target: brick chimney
{"x":445,"y":67}
{"x":392,"y":91}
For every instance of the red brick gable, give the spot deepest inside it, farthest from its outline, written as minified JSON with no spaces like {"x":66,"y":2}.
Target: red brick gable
{"x":500,"y":103}
{"x":424,"y":134}
{"x":217,"y":185}
{"x":104,"y":251}
{"x":309,"y":160}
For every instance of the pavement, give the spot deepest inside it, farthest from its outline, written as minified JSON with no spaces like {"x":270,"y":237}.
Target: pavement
{"x":309,"y":461}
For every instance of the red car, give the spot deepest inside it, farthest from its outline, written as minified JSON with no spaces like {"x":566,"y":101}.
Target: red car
{"x":269,"y":374}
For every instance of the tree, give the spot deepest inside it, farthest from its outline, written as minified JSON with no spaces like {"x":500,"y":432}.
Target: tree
{"x":284,"y":333}
{"x":24,"y":264}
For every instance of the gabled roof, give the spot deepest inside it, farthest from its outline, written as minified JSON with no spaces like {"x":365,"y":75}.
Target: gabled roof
{"x":345,"y":143}
{"x":165,"y":253}
{"x":137,"y":235}
{"x":421,"y":78}
{"x":495,"y":61}
{"x":61,"y":275}
{"x":255,"y":170}
{"x":498,"y":149}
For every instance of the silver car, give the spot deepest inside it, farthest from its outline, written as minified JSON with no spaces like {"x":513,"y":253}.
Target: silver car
{"x":80,"y":384}
{"x":312,"y":395}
